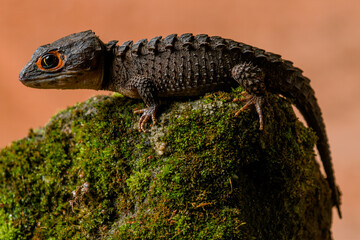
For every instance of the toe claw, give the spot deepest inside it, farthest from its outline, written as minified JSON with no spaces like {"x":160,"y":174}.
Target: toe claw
{"x":139,"y":111}
{"x":246,"y":98}
{"x":147,"y":113}
{"x":250,"y":100}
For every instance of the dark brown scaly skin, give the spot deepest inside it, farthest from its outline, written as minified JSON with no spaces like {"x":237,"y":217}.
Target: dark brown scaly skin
{"x":177,"y":66}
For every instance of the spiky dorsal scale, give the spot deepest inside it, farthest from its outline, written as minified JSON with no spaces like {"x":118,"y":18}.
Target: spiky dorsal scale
{"x":124,"y":48}
{"x":217,"y":42}
{"x":153,"y":44}
{"x":139,"y":48}
{"x":169,"y":41}
{"x":186,"y":39}
{"x":202,"y":40}
{"x":273,"y":57}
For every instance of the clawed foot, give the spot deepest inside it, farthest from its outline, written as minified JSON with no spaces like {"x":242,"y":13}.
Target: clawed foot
{"x":250,"y":100}
{"x":146,"y":114}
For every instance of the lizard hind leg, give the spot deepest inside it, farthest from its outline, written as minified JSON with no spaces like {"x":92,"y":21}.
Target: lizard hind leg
{"x":251,"y":78}
{"x":146,"y":89}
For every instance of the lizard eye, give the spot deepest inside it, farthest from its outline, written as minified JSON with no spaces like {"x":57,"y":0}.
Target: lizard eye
{"x":51,"y":61}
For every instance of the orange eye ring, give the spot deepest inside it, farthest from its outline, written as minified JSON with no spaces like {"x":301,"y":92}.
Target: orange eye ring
{"x":51,"y":61}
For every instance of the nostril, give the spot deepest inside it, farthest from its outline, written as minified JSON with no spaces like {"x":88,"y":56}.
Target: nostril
{"x":23,"y":76}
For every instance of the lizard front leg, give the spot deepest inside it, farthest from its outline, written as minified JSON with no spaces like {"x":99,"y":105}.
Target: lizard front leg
{"x":146,"y":89}
{"x":251,"y":78}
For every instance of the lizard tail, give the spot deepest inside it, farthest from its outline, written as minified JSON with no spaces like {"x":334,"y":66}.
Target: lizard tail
{"x":312,"y":115}
{"x":307,"y":104}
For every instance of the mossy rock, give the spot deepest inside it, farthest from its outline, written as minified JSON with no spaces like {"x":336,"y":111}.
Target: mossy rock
{"x":201,"y":173}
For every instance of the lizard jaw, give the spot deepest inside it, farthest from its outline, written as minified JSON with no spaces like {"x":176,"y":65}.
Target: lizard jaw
{"x":91,"y":79}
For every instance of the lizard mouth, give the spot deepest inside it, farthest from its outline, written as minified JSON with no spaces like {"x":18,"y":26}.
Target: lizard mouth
{"x":75,"y":79}
{"x":59,"y":80}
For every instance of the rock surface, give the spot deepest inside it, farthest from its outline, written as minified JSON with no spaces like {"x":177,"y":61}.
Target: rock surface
{"x":201,"y":173}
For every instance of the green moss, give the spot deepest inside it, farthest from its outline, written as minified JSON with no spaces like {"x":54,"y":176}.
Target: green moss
{"x":200,"y":174}
{"x":7,"y":230}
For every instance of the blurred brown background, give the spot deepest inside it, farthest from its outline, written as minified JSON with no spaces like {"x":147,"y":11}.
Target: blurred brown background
{"x":322,"y":37}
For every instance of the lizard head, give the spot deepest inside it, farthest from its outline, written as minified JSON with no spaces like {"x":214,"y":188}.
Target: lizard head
{"x":75,"y":61}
